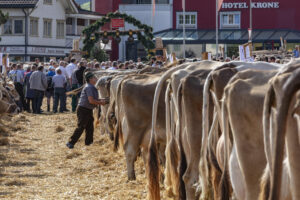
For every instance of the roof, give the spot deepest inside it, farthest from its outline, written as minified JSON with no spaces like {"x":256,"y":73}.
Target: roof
{"x":87,"y":12}
{"x":83,"y":11}
{"x":227,"y":36}
{"x":18,"y":3}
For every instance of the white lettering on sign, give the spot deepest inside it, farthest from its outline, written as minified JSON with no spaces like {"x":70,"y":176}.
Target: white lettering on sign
{"x":242,"y":5}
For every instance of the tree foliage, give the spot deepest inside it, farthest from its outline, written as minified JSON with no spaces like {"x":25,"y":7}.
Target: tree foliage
{"x":99,"y":54}
{"x":3,"y":18}
{"x":92,"y":34}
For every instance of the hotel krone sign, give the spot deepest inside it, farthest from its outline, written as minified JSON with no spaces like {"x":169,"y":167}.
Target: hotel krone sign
{"x":241,"y":5}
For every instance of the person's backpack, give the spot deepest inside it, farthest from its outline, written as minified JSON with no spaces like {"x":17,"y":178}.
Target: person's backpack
{"x":49,"y":83}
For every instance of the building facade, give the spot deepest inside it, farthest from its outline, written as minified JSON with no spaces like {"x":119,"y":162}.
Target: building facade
{"x":271,"y":19}
{"x":42,"y":28}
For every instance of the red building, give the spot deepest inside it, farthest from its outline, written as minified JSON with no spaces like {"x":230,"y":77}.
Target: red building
{"x":104,"y":7}
{"x":271,"y":20}
{"x":267,"y":14}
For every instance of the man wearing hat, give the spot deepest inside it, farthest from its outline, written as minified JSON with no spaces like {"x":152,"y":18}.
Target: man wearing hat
{"x":88,"y":101}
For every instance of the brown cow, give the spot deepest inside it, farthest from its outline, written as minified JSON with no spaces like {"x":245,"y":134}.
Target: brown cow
{"x":281,"y":111}
{"x":214,"y":87}
{"x":171,"y":184}
{"x":246,"y":161}
{"x":133,"y":113}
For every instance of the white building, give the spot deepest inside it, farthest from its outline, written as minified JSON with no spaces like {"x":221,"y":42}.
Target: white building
{"x":142,"y":10}
{"x":42,"y":28}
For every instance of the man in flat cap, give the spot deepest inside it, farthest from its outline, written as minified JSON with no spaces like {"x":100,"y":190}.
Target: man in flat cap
{"x":88,"y":101}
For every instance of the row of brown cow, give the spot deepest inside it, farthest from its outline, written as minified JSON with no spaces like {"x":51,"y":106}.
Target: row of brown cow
{"x":212,"y":131}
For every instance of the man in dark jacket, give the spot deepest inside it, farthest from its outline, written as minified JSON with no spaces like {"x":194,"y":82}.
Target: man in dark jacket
{"x":74,"y":96}
{"x":29,"y":92}
{"x":38,"y":83}
{"x":79,"y":73}
{"x":88,"y":101}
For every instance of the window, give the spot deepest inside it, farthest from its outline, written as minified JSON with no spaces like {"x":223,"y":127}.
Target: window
{"x":7,"y":27}
{"x":60,"y":29}
{"x":230,"y":19}
{"x":48,"y":2}
{"x":34,"y":24}
{"x":13,"y":26}
{"x":47,"y":27}
{"x":18,"y":26}
{"x":190,"y":20}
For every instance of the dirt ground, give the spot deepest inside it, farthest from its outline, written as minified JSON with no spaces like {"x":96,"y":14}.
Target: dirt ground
{"x":35,"y":163}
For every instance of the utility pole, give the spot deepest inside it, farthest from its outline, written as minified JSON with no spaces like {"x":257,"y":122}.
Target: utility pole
{"x":250,"y":24}
{"x":183,"y":13}
{"x":217,"y":28}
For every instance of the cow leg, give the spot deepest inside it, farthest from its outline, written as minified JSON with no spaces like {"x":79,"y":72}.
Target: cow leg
{"x":293,"y":153}
{"x":190,"y":178}
{"x":130,"y":154}
{"x":191,"y":174}
{"x":236,"y":176}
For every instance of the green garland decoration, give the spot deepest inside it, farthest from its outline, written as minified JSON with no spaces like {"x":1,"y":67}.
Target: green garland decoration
{"x":92,"y":36}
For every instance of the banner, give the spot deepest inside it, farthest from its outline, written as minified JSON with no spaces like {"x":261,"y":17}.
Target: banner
{"x":117,"y":23}
{"x":245,"y":52}
{"x":242,"y":53}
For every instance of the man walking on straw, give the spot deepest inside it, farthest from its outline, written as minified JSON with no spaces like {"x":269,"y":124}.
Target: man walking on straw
{"x":87,"y":102}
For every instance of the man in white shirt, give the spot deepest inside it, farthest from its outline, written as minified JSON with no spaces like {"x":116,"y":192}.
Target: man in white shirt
{"x":62,"y":68}
{"x":70,"y":69}
{"x":103,"y":65}
{"x":114,"y":66}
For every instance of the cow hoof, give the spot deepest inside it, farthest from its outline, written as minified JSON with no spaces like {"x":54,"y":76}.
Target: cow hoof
{"x":111,"y":137}
{"x":131,"y":178}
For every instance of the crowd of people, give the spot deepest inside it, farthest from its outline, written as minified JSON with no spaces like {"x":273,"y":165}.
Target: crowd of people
{"x":52,"y":80}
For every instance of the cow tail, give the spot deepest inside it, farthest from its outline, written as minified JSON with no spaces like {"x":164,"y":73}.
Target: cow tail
{"x":283,"y":104}
{"x":265,"y":185}
{"x":182,"y":158}
{"x":171,"y":173}
{"x":268,"y":102}
{"x":205,"y":132}
{"x":216,"y":171}
{"x":224,"y":186}
{"x":118,"y":129}
{"x":153,"y":162}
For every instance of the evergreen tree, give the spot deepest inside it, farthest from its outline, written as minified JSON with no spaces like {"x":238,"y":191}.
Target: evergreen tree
{"x":3,"y":18}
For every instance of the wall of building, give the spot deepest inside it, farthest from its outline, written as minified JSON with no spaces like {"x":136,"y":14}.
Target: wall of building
{"x":285,"y":17}
{"x":206,"y":9}
{"x":143,"y":12}
{"x":55,"y":12}
{"x":13,"y":39}
{"x":103,"y":6}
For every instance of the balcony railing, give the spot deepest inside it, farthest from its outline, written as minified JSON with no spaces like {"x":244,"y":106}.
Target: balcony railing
{"x":80,"y":29}
{"x":70,"y":30}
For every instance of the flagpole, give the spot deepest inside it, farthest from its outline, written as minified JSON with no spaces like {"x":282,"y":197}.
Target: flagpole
{"x":153,"y":14}
{"x":217,"y":28}
{"x":183,"y":13}
{"x":250,"y":38}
